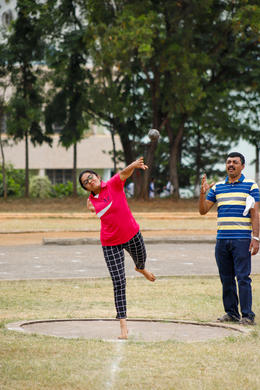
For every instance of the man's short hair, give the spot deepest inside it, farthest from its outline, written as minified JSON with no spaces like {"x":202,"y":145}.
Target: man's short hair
{"x":237,"y":154}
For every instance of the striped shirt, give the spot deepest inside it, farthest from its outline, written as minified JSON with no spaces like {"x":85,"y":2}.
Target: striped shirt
{"x":231,"y":202}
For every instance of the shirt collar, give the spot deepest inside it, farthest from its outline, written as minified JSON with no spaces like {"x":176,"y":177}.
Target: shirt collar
{"x":242,"y":177}
{"x":103,"y":185}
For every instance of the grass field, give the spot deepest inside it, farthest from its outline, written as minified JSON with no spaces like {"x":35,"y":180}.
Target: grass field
{"x":34,"y":362}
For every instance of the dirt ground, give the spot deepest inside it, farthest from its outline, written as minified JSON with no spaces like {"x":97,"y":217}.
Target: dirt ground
{"x":79,"y":205}
{"x":20,"y":207}
{"x":38,"y":237}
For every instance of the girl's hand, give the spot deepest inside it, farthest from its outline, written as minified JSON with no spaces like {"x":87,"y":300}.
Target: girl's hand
{"x":90,"y":206}
{"x":128,"y":171}
{"x":139,"y":163}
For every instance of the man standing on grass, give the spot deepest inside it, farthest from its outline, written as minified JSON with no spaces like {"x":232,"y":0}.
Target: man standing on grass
{"x":237,"y":199}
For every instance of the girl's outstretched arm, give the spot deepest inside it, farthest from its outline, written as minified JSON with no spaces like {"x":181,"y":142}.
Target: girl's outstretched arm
{"x":128,"y":171}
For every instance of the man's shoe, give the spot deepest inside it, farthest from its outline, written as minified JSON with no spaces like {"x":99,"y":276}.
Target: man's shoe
{"x":247,"y":321}
{"x":228,"y":318}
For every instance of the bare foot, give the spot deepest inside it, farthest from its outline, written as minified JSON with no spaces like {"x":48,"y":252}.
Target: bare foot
{"x":148,"y":275}
{"x":123,"y":328}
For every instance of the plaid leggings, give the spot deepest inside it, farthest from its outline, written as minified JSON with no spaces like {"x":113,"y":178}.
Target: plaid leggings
{"x":115,"y":259}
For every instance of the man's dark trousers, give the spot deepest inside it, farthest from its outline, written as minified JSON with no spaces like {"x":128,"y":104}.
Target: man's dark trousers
{"x":234,"y":261}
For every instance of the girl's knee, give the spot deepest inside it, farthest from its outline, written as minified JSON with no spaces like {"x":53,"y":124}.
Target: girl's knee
{"x":119,"y":283}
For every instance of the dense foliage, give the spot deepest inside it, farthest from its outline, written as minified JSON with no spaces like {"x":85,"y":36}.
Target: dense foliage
{"x":40,"y":186}
{"x":189,"y":68}
{"x":15,"y":179}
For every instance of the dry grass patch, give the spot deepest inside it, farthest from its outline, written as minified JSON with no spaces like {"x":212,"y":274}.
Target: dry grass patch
{"x":169,"y":298}
{"x":74,"y":224}
{"x":35,"y":362}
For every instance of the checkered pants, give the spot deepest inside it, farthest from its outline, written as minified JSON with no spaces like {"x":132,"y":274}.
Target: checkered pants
{"x":115,"y":259}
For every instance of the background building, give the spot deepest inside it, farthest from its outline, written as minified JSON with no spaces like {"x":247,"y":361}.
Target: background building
{"x":93,"y":152}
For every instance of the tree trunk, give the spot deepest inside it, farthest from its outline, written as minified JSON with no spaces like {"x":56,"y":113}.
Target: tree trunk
{"x":151,"y":147}
{"x":127,"y":147}
{"x":26,"y":166}
{"x":129,"y":158}
{"x":174,"y":154}
{"x":149,"y":158}
{"x":3,"y":165}
{"x":74,"y":173}
{"x":112,"y":131}
{"x":197,"y":166}
{"x":257,"y":162}
{"x":2,"y":111}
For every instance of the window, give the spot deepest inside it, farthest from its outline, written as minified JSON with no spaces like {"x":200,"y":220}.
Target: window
{"x":58,"y":176}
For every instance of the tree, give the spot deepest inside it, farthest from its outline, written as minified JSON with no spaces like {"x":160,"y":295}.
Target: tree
{"x":115,"y":95}
{"x":2,"y":118}
{"x":113,"y":104}
{"x":4,"y":83}
{"x":250,"y":119}
{"x":67,"y":58}
{"x":179,"y":66}
{"x":25,"y":48}
{"x":185,"y":53}
{"x":211,"y":130}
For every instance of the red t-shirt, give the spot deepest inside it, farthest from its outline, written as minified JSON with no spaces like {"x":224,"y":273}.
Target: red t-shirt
{"x":117,"y":222}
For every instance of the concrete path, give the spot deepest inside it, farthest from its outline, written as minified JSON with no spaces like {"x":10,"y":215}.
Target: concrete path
{"x":83,"y":261}
{"x":138,"y":329}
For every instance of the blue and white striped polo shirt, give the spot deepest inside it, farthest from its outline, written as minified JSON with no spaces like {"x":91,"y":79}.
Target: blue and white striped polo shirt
{"x":231,"y":201}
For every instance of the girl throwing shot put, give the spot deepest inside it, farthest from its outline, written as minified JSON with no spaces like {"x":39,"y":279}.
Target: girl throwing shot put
{"x":119,"y":231}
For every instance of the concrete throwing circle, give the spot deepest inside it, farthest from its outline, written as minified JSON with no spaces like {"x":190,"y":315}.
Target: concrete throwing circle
{"x":139,"y":329}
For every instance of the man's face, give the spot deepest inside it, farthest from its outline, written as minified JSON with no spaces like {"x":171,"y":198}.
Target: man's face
{"x":234,"y":167}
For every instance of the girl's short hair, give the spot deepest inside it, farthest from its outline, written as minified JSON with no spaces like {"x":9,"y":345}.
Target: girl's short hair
{"x":82,"y":173}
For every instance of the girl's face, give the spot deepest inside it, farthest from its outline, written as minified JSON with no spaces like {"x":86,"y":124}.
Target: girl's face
{"x":91,"y":182}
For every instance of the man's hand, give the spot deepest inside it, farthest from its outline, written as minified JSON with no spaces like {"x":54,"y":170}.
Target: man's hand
{"x":254,"y":214}
{"x":204,"y":204}
{"x":205,"y":186}
{"x":254,"y":247}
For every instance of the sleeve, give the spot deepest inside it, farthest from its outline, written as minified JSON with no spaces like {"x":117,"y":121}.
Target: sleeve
{"x":116,"y":183}
{"x":212,"y":194}
{"x":254,"y":192}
